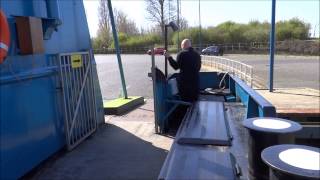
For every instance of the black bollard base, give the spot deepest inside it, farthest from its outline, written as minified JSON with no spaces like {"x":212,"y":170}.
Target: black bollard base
{"x":294,"y":162}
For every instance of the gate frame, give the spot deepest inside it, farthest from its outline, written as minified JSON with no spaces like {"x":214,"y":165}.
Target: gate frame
{"x":88,"y":75}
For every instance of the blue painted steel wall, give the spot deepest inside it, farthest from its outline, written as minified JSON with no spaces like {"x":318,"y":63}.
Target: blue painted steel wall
{"x":31,"y":114}
{"x":207,"y":80}
{"x":211,"y":80}
{"x":255,"y":104}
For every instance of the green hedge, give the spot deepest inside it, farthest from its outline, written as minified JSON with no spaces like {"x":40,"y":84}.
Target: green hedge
{"x":231,"y":32}
{"x":137,"y":41}
{"x":228,"y":32}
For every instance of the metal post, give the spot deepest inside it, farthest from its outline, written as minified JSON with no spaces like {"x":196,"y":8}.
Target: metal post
{"x":116,"y":43}
{"x":169,"y":15}
{"x":272,"y":40}
{"x":178,"y":22}
{"x":251,"y":75}
{"x":153,"y":72}
{"x":200,"y":39}
{"x":245,"y":74}
{"x":241,"y":73}
{"x":166,"y":48}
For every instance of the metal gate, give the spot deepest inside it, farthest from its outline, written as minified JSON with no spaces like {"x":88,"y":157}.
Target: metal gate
{"x":78,"y":96}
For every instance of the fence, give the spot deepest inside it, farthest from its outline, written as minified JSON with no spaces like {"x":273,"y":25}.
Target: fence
{"x":123,"y":50}
{"x":243,"y":71}
{"x":307,"y":47}
{"x":300,"y":47}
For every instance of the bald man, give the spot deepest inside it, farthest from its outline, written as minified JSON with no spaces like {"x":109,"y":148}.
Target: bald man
{"x":189,"y":63}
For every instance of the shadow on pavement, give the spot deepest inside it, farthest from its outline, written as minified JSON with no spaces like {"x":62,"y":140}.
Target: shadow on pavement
{"x":111,"y":153}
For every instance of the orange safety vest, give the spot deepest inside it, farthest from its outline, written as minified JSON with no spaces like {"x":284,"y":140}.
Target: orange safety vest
{"x":4,"y":37}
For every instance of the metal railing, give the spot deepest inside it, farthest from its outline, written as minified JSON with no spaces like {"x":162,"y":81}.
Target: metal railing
{"x":243,"y":71}
{"x":310,"y":47}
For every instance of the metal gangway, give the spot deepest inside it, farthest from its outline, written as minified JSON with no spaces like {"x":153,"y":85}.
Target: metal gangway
{"x":242,"y":70}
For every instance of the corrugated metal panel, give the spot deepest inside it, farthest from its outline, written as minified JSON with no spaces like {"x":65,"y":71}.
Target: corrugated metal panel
{"x":205,"y":123}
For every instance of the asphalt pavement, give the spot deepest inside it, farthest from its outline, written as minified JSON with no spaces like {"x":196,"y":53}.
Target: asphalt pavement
{"x":289,"y":71}
{"x":136,"y":69}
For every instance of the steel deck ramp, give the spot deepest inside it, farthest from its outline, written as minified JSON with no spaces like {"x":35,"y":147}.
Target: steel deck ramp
{"x":190,"y":162}
{"x":205,"y":124}
{"x":202,"y":161}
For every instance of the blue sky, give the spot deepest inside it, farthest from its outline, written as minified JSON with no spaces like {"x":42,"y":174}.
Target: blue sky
{"x":214,"y":12}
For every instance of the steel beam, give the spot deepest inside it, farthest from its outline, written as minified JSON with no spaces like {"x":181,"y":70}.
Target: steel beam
{"x":272,"y":44}
{"x":116,"y":44}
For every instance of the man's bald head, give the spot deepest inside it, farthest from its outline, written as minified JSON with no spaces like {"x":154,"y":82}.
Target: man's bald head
{"x":185,"y":44}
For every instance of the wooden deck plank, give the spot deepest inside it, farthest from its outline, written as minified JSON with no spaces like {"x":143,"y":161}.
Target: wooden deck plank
{"x":294,"y":101}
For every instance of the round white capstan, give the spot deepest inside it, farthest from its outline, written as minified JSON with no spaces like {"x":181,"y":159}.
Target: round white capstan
{"x":271,"y":123}
{"x":301,"y":158}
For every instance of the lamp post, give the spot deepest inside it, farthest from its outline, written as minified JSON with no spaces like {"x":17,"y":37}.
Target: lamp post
{"x":174,"y":27}
{"x":178,"y":22}
{"x":272,"y":43}
{"x":200,"y":40}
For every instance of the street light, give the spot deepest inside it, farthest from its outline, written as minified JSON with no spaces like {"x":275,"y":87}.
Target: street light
{"x":174,"y":27}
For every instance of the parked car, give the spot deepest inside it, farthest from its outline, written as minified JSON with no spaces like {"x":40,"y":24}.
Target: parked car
{"x":213,"y":50}
{"x":157,"y":51}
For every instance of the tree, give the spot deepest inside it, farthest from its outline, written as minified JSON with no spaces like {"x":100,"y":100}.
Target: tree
{"x":183,"y":23}
{"x":104,"y":29}
{"x":158,"y":12}
{"x":125,"y":25}
{"x":142,"y":31}
{"x":292,"y":29}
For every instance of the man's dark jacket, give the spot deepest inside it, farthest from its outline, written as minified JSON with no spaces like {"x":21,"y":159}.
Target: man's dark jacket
{"x":189,"y":63}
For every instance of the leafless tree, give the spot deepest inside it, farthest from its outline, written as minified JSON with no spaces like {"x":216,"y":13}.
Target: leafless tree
{"x":142,"y":31}
{"x":158,"y":12}
{"x":124,"y":24}
{"x":104,"y":25}
{"x":183,"y":23}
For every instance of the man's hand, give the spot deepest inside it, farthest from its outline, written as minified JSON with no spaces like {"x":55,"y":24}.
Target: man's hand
{"x":166,"y":54}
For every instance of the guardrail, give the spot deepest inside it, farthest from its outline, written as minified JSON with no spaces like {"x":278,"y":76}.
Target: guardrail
{"x":241,"y":70}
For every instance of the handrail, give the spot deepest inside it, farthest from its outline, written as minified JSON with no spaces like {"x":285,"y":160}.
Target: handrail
{"x":242,"y":70}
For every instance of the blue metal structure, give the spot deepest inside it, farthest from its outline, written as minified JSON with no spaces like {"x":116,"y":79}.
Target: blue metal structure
{"x":116,"y":44}
{"x":272,"y":42}
{"x":256,"y":105}
{"x":200,"y":35}
{"x":31,"y":105}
